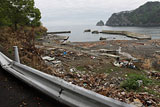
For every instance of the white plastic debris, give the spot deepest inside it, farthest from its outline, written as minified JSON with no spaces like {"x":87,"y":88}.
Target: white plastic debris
{"x":45,"y":57}
{"x":56,"y":62}
{"x":51,"y":59}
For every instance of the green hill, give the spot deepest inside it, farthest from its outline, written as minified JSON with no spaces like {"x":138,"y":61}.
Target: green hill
{"x":146,"y":15}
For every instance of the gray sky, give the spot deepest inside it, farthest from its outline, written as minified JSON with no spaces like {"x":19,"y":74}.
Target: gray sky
{"x":82,"y":12}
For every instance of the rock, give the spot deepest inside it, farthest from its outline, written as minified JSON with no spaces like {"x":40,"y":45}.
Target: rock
{"x":87,"y":30}
{"x":95,"y":32}
{"x":100,"y":23}
{"x":101,"y":38}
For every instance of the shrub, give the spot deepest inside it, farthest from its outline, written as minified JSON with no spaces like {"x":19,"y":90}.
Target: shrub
{"x":135,"y":81}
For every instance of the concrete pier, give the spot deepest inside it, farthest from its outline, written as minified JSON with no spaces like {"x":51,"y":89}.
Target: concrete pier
{"x":128,"y":34}
{"x":59,"y":32}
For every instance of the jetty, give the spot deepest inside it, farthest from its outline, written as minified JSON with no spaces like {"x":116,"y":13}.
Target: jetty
{"x":59,"y":32}
{"x":128,"y":34}
{"x":56,"y":37}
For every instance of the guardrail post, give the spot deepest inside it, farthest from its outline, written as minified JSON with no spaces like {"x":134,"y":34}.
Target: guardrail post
{"x":16,"y":54}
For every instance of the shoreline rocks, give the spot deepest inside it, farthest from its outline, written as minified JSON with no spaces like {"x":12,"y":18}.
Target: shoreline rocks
{"x":87,"y":30}
{"x":95,"y":32}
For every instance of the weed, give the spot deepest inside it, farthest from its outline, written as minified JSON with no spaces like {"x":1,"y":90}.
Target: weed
{"x":152,"y":92}
{"x":80,"y":68}
{"x":10,"y":51}
{"x":38,"y":37}
{"x":135,"y":81}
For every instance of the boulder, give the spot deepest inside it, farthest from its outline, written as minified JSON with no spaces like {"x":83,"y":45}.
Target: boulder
{"x":101,"y":38}
{"x":87,"y":30}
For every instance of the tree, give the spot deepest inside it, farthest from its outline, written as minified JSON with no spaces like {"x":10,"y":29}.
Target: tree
{"x":19,"y":12}
{"x":4,"y":20}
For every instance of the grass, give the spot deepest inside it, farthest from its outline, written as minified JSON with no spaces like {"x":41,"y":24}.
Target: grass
{"x":150,"y":91}
{"x":10,"y":51}
{"x":135,"y":81}
{"x":38,"y":37}
{"x":80,"y":68}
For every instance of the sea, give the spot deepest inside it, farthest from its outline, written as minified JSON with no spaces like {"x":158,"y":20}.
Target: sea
{"x":78,"y":35}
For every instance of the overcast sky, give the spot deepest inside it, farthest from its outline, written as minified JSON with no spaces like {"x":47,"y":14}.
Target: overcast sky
{"x":82,"y":12}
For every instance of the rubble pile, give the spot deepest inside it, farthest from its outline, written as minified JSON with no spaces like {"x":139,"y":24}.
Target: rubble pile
{"x":101,"y":83}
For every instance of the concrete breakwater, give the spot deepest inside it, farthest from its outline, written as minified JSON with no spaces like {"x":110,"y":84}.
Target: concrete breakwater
{"x":128,"y":34}
{"x":60,"y":32}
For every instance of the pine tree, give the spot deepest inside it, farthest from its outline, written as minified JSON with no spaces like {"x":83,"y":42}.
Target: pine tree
{"x":19,"y":12}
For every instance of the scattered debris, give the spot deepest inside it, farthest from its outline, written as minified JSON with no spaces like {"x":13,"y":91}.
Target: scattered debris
{"x":137,"y":103}
{"x":108,"y":51}
{"x":125,"y":54}
{"x":93,"y":70}
{"x":56,"y":62}
{"x":109,"y":55}
{"x":154,"y":74}
{"x":157,"y":52}
{"x":124,"y":63}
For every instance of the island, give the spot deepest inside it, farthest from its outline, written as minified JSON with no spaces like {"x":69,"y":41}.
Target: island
{"x":100,"y":23}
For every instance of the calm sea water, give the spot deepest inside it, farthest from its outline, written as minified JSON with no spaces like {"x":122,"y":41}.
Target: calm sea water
{"x":78,"y":34}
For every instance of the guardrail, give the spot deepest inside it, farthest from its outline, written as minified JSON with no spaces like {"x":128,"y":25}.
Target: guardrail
{"x":57,"y":88}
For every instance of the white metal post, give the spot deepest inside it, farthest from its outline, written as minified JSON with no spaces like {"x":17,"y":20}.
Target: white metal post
{"x":16,"y":54}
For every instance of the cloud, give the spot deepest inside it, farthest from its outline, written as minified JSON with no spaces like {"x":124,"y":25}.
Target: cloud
{"x":64,"y":12}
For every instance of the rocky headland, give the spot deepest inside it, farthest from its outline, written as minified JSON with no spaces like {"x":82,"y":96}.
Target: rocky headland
{"x":146,"y":15}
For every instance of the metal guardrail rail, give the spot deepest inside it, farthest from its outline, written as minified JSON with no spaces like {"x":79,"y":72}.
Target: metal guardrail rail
{"x":57,"y":88}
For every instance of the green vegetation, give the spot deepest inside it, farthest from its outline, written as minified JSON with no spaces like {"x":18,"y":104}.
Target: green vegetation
{"x":135,"y":81}
{"x":148,"y":13}
{"x":10,"y":51}
{"x":16,"y":13}
{"x":150,"y":91}
{"x":80,"y":68}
